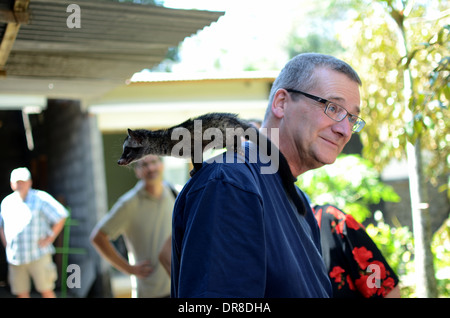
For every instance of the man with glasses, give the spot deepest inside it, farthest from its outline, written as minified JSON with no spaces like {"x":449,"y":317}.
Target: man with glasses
{"x":334,"y":111}
{"x":238,"y":232}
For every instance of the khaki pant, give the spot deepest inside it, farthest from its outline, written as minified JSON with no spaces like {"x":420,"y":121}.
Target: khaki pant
{"x":42,"y":271}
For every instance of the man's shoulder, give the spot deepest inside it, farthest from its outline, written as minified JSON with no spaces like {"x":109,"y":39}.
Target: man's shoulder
{"x":39,"y":194}
{"x":132,"y":193}
{"x":229,"y":168}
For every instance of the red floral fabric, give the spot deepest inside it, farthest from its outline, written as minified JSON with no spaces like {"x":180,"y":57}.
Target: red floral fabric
{"x":356,"y":266}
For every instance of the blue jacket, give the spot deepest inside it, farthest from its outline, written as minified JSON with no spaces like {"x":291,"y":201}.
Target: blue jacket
{"x":237,"y":233}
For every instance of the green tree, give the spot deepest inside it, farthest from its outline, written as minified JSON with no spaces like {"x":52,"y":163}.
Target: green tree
{"x":351,"y":183}
{"x":317,"y":33}
{"x":313,"y":42}
{"x":441,"y":249}
{"x":396,"y":245}
{"x":400,"y":49}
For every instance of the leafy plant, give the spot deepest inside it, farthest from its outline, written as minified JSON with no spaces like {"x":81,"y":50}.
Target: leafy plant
{"x":351,"y":183}
{"x":397,"y":246}
{"x":441,"y":250}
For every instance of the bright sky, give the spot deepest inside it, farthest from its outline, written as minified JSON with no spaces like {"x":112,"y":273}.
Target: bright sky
{"x":251,"y":33}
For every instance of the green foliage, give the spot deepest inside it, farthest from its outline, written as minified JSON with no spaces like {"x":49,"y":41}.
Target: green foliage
{"x":430,"y":99}
{"x":396,"y":245}
{"x":351,"y":183}
{"x":313,"y":42}
{"x":440,"y":247}
{"x":376,"y":41}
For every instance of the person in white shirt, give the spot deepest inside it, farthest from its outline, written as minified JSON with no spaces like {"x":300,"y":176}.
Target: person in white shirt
{"x":29,"y":223}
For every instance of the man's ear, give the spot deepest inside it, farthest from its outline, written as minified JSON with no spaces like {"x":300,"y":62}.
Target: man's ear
{"x":279,"y":103}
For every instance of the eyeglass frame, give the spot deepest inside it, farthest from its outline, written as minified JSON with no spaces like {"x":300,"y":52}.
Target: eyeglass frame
{"x":359,"y":122}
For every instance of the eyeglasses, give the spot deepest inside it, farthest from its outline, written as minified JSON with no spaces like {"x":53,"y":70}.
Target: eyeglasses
{"x":334,"y":111}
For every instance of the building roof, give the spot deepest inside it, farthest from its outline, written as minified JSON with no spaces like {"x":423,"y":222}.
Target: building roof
{"x":155,"y":100}
{"x":114,"y":41}
{"x":159,"y":77}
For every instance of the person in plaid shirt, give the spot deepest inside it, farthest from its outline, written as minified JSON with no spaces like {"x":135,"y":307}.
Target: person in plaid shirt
{"x":30,"y":221}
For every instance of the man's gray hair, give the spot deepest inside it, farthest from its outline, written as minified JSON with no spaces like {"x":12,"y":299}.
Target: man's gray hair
{"x":298,"y":73}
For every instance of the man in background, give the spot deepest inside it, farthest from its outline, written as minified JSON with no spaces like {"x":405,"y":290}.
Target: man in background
{"x":30,"y":221}
{"x":143,"y":216}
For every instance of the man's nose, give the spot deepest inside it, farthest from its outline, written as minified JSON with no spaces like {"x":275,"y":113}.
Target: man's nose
{"x":343,"y":128}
